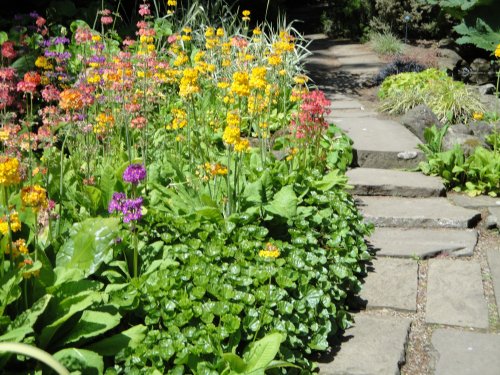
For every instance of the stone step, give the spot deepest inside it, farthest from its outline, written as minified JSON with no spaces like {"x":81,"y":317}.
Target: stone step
{"x":423,"y":243}
{"x":373,"y":181}
{"x":465,"y":353}
{"x":381,"y":143}
{"x":416,"y":212}
{"x":374,"y":346}
{"x":391,"y":284}
{"x":494,"y":264}
{"x":455,"y":294}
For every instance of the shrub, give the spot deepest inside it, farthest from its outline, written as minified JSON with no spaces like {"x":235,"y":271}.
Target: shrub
{"x":385,"y":43}
{"x":425,"y":19}
{"x":450,"y":100}
{"x":399,"y":65}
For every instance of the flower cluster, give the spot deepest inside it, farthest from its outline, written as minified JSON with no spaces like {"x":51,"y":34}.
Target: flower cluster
{"x":310,"y":120}
{"x":34,"y":196}
{"x":270,"y":251}
{"x":134,"y":174}
{"x":497,"y":51}
{"x":131,"y":209}
{"x":232,"y":133}
{"x":9,"y":171}
{"x":13,"y":220}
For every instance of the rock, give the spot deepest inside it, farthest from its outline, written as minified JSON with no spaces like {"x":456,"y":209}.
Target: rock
{"x":374,"y":345}
{"x":460,"y":135}
{"x":418,"y":119}
{"x":480,"y":71}
{"x":487,"y":89}
{"x":465,"y":353}
{"x":482,"y":129}
{"x":479,"y":202}
{"x":491,"y":222}
{"x":455,"y":294}
{"x":494,"y":221}
{"x":449,"y":59}
{"x":446,"y":43}
{"x":392,"y":284}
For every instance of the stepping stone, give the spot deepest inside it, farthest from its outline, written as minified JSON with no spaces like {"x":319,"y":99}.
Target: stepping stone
{"x":455,"y":294}
{"x":466,"y":353}
{"x":494,"y":263}
{"x":392,"y":284}
{"x":381,"y":143}
{"x":493,"y":219}
{"x":479,"y":202}
{"x":374,"y":346}
{"x":416,"y":212}
{"x":372,"y":181}
{"x":423,"y":243}
{"x":346,"y":104}
{"x":349,"y":113}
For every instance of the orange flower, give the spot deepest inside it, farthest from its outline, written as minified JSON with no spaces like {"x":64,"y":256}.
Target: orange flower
{"x":71,"y":99}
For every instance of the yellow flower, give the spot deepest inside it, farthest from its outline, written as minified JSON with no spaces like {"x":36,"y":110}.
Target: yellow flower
{"x":242,"y":145}
{"x":220,"y":32}
{"x":189,"y":80}
{"x":246,"y":15}
{"x":270,"y":251}
{"x":215,"y":169}
{"x":172,"y":3}
{"x":274,"y":60}
{"x":292,"y":153}
{"x":257,"y":31}
{"x":210,"y":32}
{"x":497,"y":51}
{"x":179,"y":121}
{"x":258,"y":78}
{"x":15,"y":223}
{"x":10,"y":173}
{"x":300,"y":79}
{"x":34,"y":196}
{"x":104,"y":123}
{"x":240,"y":85}
{"x":478,"y":116}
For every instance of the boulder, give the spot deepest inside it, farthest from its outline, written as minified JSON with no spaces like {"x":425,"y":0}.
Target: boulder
{"x":418,"y":119}
{"x":482,"y":129}
{"x":449,"y":59}
{"x":481,"y":71}
{"x":487,"y":89}
{"x":467,"y":142}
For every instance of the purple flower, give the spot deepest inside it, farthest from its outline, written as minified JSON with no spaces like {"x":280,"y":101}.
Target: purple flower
{"x":132,"y":210}
{"x":117,"y":202}
{"x":134,"y":173}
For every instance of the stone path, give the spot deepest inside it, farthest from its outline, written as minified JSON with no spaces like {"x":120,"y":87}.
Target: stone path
{"x":427,"y":280}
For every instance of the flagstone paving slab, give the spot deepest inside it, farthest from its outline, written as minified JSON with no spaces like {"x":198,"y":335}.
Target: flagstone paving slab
{"x":423,"y":243}
{"x":392,"y":284}
{"x":374,"y":346}
{"x":466,"y":353}
{"x":416,"y":212}
{"x":479,"y":202}
{"x":374,"y":181}
{"x":494,"y":264}
{"x":346,"y":104}
{"x":455,"y":294}
{"x":381,"y":143}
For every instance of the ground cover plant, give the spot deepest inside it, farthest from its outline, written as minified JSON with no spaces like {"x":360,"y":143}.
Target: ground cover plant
{"x":173,"y":201}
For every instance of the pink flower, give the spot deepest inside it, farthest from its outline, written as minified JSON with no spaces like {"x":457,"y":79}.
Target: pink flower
{"x":8,"y":50}
{"x":40,"y":21}
{"x":50,"y":93}
{"x":144,"y":10}
{"x":172,"y":38}
{"x":106,"y":20}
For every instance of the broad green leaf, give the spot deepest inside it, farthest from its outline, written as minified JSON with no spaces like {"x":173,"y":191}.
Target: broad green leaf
{"x":262,"y":352}
{"x":284,"y":203}
{"x":330,"y":180}
{"x":9,"y":289}
{"x":91,"y":324}
{"x":89,"y":245}
{"x":94,"y":195}
{"x":29,"y":317}
{"x":67,"y":309}
{"x":16,"y":335}
{"x":112,"y":345}
{"x":235,"y":362}
{"x":3,"y":37}
{"x":85,"y":361}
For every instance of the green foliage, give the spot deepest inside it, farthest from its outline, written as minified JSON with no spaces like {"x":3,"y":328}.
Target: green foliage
{"x":385,"y":43}
{"x":450,"y":100}
{"x":301,"y":294}
{"x":477,"y":174}
{"x":481,"y":35}
{"x":478,"y":21}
